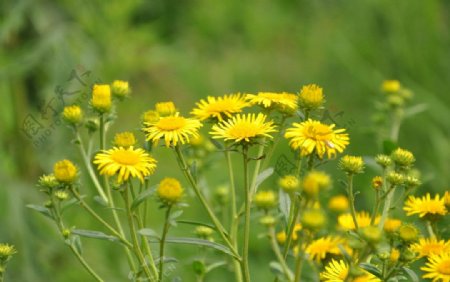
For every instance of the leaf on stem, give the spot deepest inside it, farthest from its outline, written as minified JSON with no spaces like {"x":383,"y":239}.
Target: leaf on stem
{"x":142,"y":197}
{"x":95,"y":235}
{"x":40,"y":209}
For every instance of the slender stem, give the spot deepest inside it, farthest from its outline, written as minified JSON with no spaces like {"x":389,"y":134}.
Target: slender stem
{"x":375,"y":208}
{"x":387,"y":206}
{"x":162,"y":243}
{"x":102,"y":131}
{"x":85,"y":264}
{"x":276,"y":249}
{"x":299,"y":260}
{"x":234,"y":216}
{"x":89,"y":168}
{"x":99,"y":218}
{"x":247,"y":199}
{"x":395,"y":129}
{"x":293,"y":215}
{"x":351,"y":197}
{"x":137,"y":249}
{"x":430,"y":229}
{"x":272,"y":148}
{"x":252,"y":188}
{"x":213,"y":217}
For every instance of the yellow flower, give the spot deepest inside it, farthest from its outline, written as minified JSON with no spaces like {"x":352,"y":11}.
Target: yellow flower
{"x":243,"y":128}
{"x":265,"y":199}
{"x":169,"y":191}
{"x":315,"y":181}
{"x":73,"y":114}
{"x":391,"y":225}
{"x":338,"y":203}
{"x":438,"y":267}
{"x":351,"y":164}
{"x":101,"y":98}
{"x":125,"y":162}
{"x":320,"y":248}
{"x":447,"y":199}
{"x":428,"y":246}
{"x":120,"y":89}
{"x":124,"y":139}
{"x":219,"y":107}
{"x":284,"y":102}
{"x":408,"y":232}
{"x":315,"y":137}
{"x":289,"y":183}
{"x":65,"y":171}
{"x":425,"y":206}
{"x":173,"y":129}
{"x":394,"y":255}
{"x":335,"y":271}
{"x":281,"y":237}
{"x":311,"y":97}
{"x":313,"y":219}
{"x":338,"y":271}
{"x":6,"y":251}
{"x":391,"y":86}
{"x":402,"y":158}
{"x":165,"y":108}
{"x":362,"y":218}
{"x":371,"y":234}
{"x":297,"y":227}
{"x":377,"y":182}
{"x":150,"y":116}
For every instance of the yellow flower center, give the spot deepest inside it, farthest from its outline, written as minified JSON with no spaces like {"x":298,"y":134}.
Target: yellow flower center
{"x":318,"y":132}
{"x":171,"y":123}
{"x":444,"y":267}
{"x":125,"y":157}
{"x":243,"y":130}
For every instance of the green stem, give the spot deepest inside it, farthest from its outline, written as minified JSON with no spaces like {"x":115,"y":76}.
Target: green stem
{"x":89,"y":168}
{"x":351,"y":197}
{"x":376,"y":207}
{"x":162,"y":243}
{"x":387,"y":207}
{"x":213,"y":217}
{"x":430,"y":229}
{"x":85,"y":264}
{"x":299,"y":263}
{"x":102,"y":131}
{"x":234,"y":216}
{"x":276,"y":249}
{"x":293,"y":215}
{"x":247,"y":199}
{"x":252,"y":188}
{"x":137,"y":249}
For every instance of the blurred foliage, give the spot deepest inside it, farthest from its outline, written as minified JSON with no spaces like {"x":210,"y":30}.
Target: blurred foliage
{"x":183,"y":50}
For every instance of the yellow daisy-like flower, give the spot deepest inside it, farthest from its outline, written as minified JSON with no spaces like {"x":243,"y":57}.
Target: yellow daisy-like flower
{"x":362,"y":218}
{"x":169,"y":191}
{"x":425,"y":206}
{"x":173,"y":129}
{"x":220,"y":107}
{"x":312,"y":136}
{"x":311,"y":97}
{"x":125,"y":162}
{"x":438,"y":267}
{"x":338,"y":271}
{"x":73,"y":114}
{"x":335,"y":271}
{"x":101,"y":97}
{"x":314,"y":182}
{"x":243,"y":128}
{"x":286,"y":102}
{"x":428,"y":246}
{"x":318,"y":249}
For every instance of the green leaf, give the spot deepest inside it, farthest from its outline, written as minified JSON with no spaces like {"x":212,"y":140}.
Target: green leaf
{"x":148,"y":232}
{"x":277,"y":269}
{"x":284,"y":203}
{"x":40,"y":209}
{"x":217,"y":144}
{"x":75,"y":242}
{"x":263,"y":176}
{"x":371,"y":269}
{"x":175,"y":214}
{"x":200,"y":242}
{"x":193,"y":170}
{"x":196,"y":223}
{"x":199,"y":267}
{"x":411,"y":274}
{"x":100,"y":201}
{"x":414,"y":110}
{"x":67,"y":204}
{"x":95,"y":234}
{"x":389,"y":146}
{"x":142,"y":197}
{"x":215,"y":265}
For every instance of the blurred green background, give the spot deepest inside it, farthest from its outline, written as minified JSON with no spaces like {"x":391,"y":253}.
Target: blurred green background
{"x":185,"y":50}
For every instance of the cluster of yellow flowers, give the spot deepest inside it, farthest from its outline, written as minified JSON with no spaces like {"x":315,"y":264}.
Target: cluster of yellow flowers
{"x":341,"y":242}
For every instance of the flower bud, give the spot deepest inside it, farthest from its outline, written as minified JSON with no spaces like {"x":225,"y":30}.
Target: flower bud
{"x":120,"y":89}
{"x":281,"y":237}
{"x":390,"y":86}
{"x":383,"y":160}
{"x":395,"y":101}
{"x":408,"y":233}
{"x":204,"y":232}
{"x":371,"y":234}
{"x":311,"y":97}
{"x":101,"y":98}
{"x":48,"y":181}
{"x":315,"y":181}
{"x":267,"y":220}
{"x":61,"y":195}
{"x":66,"y":233}
{"x":377,"y":182}
{"x":6,"y":251}
{"x":352,"y":164}
{"x":395,"y":178}
{"x":338,"y":203}
{"x":150,"y":116}
{"x":222,"y":194}
{"x":313,"y":219}
{"x":403,"y":158}
{"x":165,"y":108}
{"x":412,"y":182}
{"x":124,"y":139}
{"x":73,"y":115}
{"x":169,"y":191}
{"x":289,"y":183}
{"x":394,"y":255}
{"x":65,"y":171}
{"x":391,"y":225}
{"x":408,"y":255}
{"x":265,"y":199}
{"x":92,"y":125}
